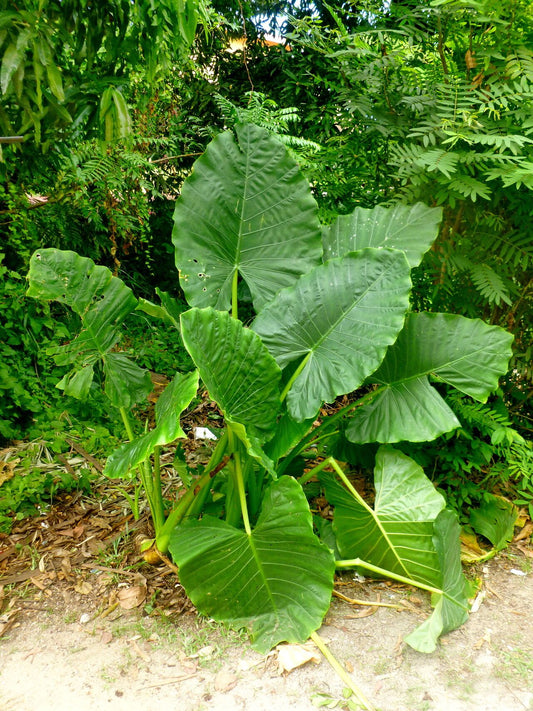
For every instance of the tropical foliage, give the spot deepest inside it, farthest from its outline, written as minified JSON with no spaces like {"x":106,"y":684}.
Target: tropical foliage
{"x":324,"y":328}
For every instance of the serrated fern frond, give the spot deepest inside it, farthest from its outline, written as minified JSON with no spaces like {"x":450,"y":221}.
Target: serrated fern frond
{"x":265,"y":113}
{"x":489,"y":284}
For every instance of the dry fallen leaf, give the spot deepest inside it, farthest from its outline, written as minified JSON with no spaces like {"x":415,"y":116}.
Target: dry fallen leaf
{"x":204,"y":653}
{"x":291,"y":656}
{"x":525,"y":533}
{"x":83,"y":587}
{"x":225,"y":681}
{"x":131,"y":597}
{"x":365,"y":612}
{"x":7,"y":471}
{"x":470,"y":548}
{"x":7,"y":620}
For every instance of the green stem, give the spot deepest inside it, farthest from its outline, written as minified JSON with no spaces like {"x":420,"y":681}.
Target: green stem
{"x":127,"y":423}
{"x":145,"y":476}
{"x":318,"y":468}
{"x":157,"y":493}
{"x":234,"y":300}
{"x":180,"y":510}
{"x":323,"y":428}
{"x":358,"y":563}
{"x":294,"y":376}
{"x":240,"y":482}
{"x":361,"y":698}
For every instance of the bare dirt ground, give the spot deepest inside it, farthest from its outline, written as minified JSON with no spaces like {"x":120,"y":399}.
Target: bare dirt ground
{"x":74,"y":644}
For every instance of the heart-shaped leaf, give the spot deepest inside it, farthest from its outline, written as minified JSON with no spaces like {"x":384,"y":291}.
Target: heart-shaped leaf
{"x":408,"y":534}
{"x":465,"y":353}
{"x":277,"y":581}
{"x":410,"y":228}
{"x":246,"y":208}
{"x":335,"y":324}
{"x":397,"y":533}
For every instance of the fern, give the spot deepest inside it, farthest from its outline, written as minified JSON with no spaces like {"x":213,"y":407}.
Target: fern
{"x":489,"y":284}
{"x":513,"y":249}
{"x":439,"y":160}
{"x":265,"y":113}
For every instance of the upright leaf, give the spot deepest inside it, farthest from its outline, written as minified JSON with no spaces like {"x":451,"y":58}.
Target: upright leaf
{"x":465,"y":353}
{"x":410,"y":228}
{"x":238,"y":371}
{"x":277,"y":581}
{"x":245,"y":209}
{"x":335,"y":324}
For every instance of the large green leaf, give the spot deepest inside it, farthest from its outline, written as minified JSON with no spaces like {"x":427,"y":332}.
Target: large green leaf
{"x":451,"y":604}
{"x":495,"y":519}
{"x":245,"y":208}
{"x":173,"y":400}
{"x":408,"y":533}
{"x":465,"y":353}
{"x":397,"y":533}
{"x":238,"y":371}
{"x":277,"y":581}
{"x":410,"y":228}
{"x":335,"y":324}
{"x":102,"y":301}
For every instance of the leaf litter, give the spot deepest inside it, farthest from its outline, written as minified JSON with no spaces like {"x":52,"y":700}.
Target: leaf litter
{"x":82,"y":556}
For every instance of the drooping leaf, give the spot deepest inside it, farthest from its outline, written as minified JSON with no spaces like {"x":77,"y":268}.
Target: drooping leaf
{"x":410,"y":228}
{"x":336,"y":323}
{"x":13,"y":58}
{"x":171,"y":403}
{"x":412,"y":410}
{"x":245,"y":208}
{"x":102,"y":301}
{"x":276,"y":581}
{"x":238,"y":371}
{"x":55,"y":81}
{"x":408,"y":533}
{"x":465,"y":353}
{"x":495,"y":520}
{"x":451,"y":604}
{"x":397,"y":533}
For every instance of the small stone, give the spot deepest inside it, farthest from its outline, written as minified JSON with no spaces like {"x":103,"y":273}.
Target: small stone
{"x":85,"y":618}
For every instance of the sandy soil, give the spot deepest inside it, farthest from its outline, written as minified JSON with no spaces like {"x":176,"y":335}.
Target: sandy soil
{"x":62,"y":653}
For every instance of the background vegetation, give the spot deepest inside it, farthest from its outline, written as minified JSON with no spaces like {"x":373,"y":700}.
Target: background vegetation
{"x":381,"y":103}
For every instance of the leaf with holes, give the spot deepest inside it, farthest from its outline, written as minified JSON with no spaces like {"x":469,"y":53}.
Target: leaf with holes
{"x":245,"y":211}
{"x":102,"y":301}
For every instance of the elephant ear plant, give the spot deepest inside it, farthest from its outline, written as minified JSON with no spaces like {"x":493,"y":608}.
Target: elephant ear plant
{"x":331,"y":317}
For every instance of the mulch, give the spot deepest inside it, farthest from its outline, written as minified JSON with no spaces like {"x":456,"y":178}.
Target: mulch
{"x":84,"y":551}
